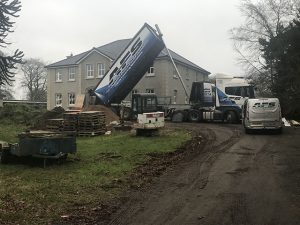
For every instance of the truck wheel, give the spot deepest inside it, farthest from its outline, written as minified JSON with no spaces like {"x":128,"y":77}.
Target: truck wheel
{"x":4,"y":156}
{"x":248,"y":131}
{"x":126,"y":113}
{"x":178,"y":116}
{"x":231,"y":117}
{"x":279,"y":131}
{"x":193,"y":116}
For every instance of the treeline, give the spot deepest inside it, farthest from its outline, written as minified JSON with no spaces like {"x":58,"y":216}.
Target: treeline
{"x":282,"y":57}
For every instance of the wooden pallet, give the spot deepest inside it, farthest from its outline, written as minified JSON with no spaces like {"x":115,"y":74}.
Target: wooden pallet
{"x":91,"y":123}
{"x":55,"y":125}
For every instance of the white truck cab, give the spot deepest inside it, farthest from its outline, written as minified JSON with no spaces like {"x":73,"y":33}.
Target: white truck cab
{"x":237,"y":89}
{"x":262,"y":113}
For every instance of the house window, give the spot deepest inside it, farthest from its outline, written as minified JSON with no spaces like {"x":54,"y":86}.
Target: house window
{"x":150,"y":90}
{"x":187,"y":74}
{"x":71,"y":97}
{"x":89,"y":71}
{"x":58,"y":99}
{"x":72,"y":74}
{"x":175,"y":96}
{"x":134,"y":91}
{"x":58,"y":77}
{"x":150,"y":72}
{"x":101,"y":70}
{"x":175,"y":75}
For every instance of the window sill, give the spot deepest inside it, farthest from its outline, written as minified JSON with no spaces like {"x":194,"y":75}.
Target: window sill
{"x":72,"y":80}
{"x":89,"y":78}
{"x":150,"y":75}
{"x":58,"y":81}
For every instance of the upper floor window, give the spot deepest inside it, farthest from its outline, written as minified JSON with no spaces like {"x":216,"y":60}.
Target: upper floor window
{"x":58,"y":99}
{"x":150,"y":72}
{"x":72,"y":73}
{"x":71,"y":98}
{"x":89,"y":71}
{"x":58,"y":77}
{"x":134,"y":91}
{"x":175,"y":75}
{"x":101,"y":70}
{"x":150,"y":90}
{"x":187,"y":74}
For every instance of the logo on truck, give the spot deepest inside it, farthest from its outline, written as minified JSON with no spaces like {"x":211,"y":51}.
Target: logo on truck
{"x":126,"y":61}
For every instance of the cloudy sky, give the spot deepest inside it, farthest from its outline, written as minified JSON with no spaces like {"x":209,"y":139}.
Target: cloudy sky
{"x":196,"y":29}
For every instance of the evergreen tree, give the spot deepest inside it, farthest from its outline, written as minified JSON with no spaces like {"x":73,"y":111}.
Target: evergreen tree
{"x":282,"y":53}
{"x":8,"y":9}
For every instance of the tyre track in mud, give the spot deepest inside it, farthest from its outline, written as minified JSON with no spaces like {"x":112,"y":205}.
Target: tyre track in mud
{"x":170,"y":197}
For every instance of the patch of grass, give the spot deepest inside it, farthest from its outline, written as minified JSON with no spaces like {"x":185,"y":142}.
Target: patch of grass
{"x":9,"y":130}
{"x":30,"y":194}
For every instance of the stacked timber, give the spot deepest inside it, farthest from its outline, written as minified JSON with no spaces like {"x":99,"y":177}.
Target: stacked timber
{"x":70,"y":122}
{"x":91,"y":123}
{"x":55,"y":125}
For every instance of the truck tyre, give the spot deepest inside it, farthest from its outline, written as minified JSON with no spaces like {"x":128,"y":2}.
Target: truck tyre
{"x":279,"y":130}
{"x":194,"y":116}
{"x":126,"y":113}
{"x":231,"y":117}
{"x":248,"y":131}
{"x":178,"y":116}
{"x":4,"y":156}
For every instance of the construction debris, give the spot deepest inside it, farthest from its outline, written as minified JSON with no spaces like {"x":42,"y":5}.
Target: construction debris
{"x":285,"y":122}
{"x":295,"y":123}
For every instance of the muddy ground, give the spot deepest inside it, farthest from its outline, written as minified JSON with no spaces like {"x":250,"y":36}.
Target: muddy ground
{"x":221,"y":177}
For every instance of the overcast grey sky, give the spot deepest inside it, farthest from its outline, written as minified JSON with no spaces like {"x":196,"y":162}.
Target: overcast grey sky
{"x":196,"y":29}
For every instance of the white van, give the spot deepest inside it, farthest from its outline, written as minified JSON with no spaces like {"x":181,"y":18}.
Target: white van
{"x":262,"y":113}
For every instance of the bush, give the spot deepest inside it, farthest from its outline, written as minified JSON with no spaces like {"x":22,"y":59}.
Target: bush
{"x":21,"y":113}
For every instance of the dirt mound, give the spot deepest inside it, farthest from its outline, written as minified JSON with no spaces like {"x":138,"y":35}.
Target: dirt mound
{"x":109,"y":114}
{"x":55,"y":113}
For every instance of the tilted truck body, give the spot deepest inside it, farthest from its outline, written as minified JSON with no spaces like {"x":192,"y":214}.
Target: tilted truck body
{"x":129,"y":68}
{"x":126,"y":71}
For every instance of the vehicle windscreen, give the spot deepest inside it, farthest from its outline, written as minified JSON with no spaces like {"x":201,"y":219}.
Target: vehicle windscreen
{"x":244,"y":91}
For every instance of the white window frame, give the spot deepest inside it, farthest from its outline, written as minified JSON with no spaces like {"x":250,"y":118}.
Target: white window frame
{"x":175,"y":75}
{"x":72,"y":72}
{"x":150,"y":72}
{"x":101,"y":70}
{"x":150,"y":90}
{"x":58,"y":77}
{"x":187,"y":74}
{"x":58,"y":99}
{"x":71,"y":101}
{"x":89,"y":71}
{"x":175,"y":95}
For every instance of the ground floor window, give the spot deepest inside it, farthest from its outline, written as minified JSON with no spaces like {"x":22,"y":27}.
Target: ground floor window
{"x":71,"y":97}
{"x":58,"y":99}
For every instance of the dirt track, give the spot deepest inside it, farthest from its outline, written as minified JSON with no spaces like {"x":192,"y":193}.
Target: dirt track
{"x":236,"y":179}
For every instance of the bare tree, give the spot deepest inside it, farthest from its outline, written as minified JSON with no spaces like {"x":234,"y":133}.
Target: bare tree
{"x":34,"y":79}
{"x":8,"y":63}
{"x":263,"y":19}
{"x":6,"y":92}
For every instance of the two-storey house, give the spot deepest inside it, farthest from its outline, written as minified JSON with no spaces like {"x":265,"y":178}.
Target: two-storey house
{"x":76,"y":74}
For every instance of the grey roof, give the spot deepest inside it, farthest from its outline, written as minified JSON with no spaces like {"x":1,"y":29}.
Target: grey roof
{"x":112,"y":50}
